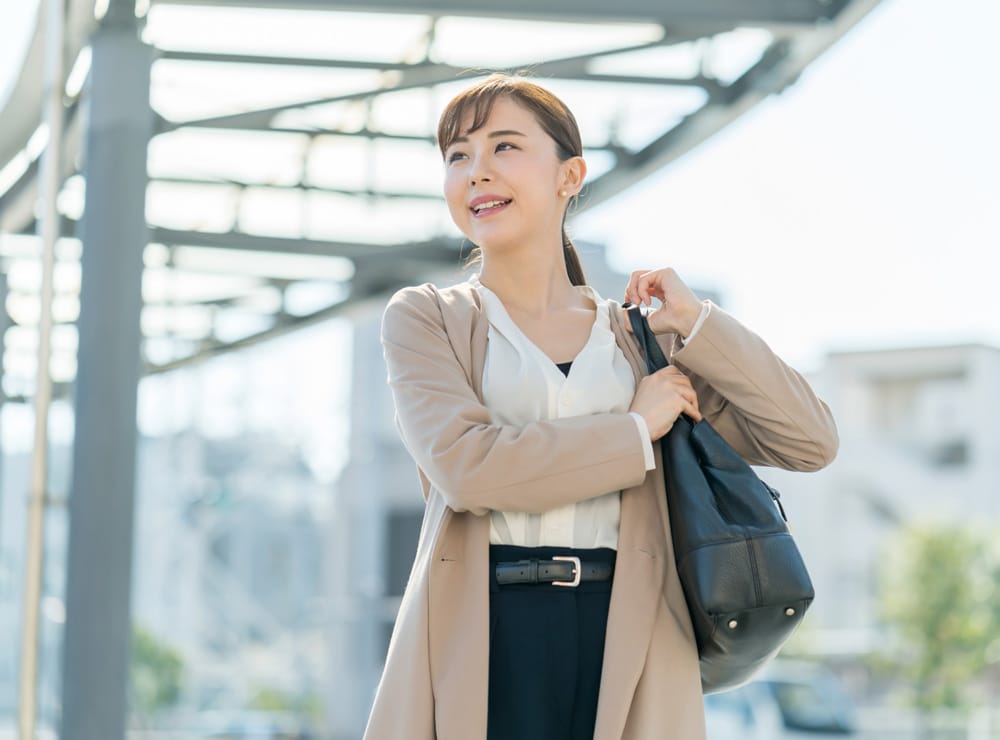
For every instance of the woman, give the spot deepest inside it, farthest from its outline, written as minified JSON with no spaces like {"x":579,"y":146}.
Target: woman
{"x":543,"y":601}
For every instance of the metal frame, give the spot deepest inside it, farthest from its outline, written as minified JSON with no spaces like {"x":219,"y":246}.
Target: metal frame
{"x":800,"y":29}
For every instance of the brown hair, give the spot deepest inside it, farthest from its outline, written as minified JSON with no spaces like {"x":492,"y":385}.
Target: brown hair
{"x":553,"y":116}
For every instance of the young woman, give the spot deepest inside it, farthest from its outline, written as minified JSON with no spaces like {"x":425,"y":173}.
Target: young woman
{"x":544,"y":603}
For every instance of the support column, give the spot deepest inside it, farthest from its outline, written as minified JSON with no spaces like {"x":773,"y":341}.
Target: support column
{"x":97,"y":636}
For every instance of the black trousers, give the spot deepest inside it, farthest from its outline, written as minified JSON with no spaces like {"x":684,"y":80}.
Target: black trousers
{"x":546,"y":650}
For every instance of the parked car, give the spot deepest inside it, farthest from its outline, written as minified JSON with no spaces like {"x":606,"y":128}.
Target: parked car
{"x":254,"y":725}
{"x":787,"y":701}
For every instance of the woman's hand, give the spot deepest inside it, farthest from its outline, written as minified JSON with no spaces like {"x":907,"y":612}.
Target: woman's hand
{"x":679,"y":306}
{"x":663,"y":396}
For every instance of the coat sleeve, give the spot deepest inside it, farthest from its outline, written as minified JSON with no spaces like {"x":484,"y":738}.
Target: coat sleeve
{"x":765,"y":409}
{"x":478,"y":465}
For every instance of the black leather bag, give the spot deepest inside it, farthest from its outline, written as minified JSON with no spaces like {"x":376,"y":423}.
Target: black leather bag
{"x":744,"y":579}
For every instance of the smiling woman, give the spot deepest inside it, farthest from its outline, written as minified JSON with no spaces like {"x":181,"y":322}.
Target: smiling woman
{"x":537,"y":145}
{"x":544,"y":603}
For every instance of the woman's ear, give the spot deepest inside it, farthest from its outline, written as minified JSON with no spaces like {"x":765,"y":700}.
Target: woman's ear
{"x":573,"y":174}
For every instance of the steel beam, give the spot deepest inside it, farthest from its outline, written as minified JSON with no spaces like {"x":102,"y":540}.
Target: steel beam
{"x":96,"y":641}
{"x":416,"y":76}
{"x":301,"y":187}
{"x":378,"y":277}
{"x":739,"y":97}
{"x":432,"y":249}
{"x":756,"y":12}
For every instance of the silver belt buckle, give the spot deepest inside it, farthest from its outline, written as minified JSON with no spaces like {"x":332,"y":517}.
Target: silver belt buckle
{"x":576,"y":570}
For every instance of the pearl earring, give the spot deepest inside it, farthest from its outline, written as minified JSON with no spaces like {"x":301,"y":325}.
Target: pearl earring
{"x":562,"y":193}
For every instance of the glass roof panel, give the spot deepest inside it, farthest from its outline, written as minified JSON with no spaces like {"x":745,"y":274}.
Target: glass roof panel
{"x":309,"y":296}
{"x":170,"y":286}
{"x":379,"y":180}
{"x":191,"y":322}
{"x":192,"y":207}
{"x":732,"y":53}
{"x":347,"y":116}
{"x":512,"y":43}
{"x":189,"y":90}
{"x":221,"y":154}
{"x":343,"y":162}
{"x":377,"y":221}
{"x":408,"y":166}
{"x":412,"y":112}
{"x":278,"y":265}
{"x":676,"y":60}
{"x":292,"y":33}
{"x":70,"y":200}
{"x":236,"y":323}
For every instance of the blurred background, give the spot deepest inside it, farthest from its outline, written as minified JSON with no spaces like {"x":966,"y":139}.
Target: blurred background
{"x":208,"y":533}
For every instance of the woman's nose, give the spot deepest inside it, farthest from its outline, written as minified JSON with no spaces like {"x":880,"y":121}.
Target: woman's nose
{"x":480,"y":172}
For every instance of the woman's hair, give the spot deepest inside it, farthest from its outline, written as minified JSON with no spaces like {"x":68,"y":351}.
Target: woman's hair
{"x":553,"y":116}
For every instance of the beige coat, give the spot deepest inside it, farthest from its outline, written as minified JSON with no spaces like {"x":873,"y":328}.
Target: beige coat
{"x":435,"y":681}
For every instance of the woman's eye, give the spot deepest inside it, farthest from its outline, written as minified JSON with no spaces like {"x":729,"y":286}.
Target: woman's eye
{"x":505,"y":144}
{"x":454,"y":156}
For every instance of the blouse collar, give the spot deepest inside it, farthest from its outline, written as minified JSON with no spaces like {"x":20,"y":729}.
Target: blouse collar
{"x":586,"y":290}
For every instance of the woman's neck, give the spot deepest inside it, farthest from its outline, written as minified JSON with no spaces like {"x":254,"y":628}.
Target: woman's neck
{"x":530,"y":283}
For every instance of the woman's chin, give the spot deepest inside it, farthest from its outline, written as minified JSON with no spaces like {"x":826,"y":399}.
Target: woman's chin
{"x":492,"y":240}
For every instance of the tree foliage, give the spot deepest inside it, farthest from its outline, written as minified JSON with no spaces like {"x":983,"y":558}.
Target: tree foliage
{"x":941,"y":599}
{"x":156,"y":673}
{"x":270,"y":699}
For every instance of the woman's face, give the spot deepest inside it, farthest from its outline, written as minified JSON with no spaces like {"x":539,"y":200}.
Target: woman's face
{"x":503,"y":181}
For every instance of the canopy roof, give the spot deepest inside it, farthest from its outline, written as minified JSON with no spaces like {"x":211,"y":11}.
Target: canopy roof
{"x":294,"y":171}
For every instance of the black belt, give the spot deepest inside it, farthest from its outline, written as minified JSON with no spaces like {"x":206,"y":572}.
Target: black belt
{"x":562,"y":570}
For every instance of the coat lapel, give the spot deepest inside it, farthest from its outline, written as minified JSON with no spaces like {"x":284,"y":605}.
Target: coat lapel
{"x":459,"y":571}
{"x":638,"y":584}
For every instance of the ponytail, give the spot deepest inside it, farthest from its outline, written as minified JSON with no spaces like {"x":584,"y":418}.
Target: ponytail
{"x":573,"y":267}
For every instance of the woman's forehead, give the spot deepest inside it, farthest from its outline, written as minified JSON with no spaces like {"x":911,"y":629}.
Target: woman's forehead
{"x":505,"y":113}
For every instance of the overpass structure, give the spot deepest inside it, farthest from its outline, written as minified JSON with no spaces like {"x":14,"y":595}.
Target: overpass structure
{"x":234,"y":170}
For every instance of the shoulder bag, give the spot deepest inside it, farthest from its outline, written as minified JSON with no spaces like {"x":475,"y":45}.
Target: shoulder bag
{"x":744,"y":579}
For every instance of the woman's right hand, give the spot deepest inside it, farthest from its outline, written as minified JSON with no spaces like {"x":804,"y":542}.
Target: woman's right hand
{"x":663,"y":396}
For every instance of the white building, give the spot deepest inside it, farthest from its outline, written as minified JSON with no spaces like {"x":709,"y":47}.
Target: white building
{"x":920,"y":442}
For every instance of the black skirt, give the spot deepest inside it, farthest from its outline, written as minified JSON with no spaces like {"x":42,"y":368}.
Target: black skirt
{"x":546,"y":650}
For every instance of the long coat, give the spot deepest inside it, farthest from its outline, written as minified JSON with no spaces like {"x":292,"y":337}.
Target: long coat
{"x":434,"y":685}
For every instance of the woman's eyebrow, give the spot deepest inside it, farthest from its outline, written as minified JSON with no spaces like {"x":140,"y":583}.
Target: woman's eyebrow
{"x":492,"y":135}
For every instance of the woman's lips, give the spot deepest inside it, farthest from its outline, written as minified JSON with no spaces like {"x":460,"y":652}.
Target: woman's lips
{"x":483,"y":212}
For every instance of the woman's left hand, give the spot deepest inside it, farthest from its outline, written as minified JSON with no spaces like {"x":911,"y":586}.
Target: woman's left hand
{"x":679,"y":306}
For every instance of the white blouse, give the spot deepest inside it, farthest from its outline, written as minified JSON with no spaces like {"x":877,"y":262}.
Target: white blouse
{"x":521,"y":384}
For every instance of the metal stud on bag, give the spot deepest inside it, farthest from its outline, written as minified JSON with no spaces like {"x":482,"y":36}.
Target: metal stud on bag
{"x":733,"y":624}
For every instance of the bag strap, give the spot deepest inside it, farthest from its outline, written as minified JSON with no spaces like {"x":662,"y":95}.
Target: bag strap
{"x":655,"y":359}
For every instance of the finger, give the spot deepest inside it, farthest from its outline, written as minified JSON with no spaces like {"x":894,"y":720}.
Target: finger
{"x":684,"y":390}
{"x":651,"y":286}
{"x":631,"y":295}
{"x":628,"y":324}
{"x":689,"y":395}
{"x":642,"y":287}
{"x":692,"y":410}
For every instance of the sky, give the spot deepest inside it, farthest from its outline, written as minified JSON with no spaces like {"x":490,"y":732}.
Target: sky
{"x":860,"y":208}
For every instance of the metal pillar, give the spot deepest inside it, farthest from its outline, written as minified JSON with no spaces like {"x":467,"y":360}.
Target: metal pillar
{"x":97,"y":641}
{"x":48,"y":229}
{"x":359,"y":540}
